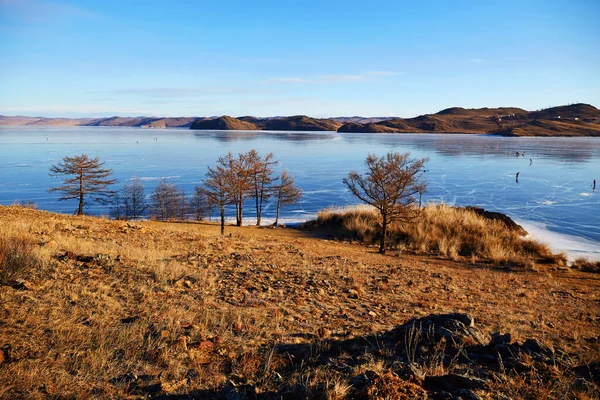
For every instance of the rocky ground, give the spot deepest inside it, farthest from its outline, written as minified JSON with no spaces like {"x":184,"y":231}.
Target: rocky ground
{"x":172,"y":310}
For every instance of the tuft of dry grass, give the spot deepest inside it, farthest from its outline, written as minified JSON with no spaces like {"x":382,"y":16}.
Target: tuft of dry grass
{"x":18,"y":255}
{"x":584,"y":264}
{"x":456,"y":233}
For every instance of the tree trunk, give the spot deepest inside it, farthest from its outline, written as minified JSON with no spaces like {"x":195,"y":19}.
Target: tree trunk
{"x":278,"y":207}
{"x":383,"y":234}
{"x":222,"y":221}
{"x":258,"y":209}
{"x":80,"y":208}
{"x":239,"y":221}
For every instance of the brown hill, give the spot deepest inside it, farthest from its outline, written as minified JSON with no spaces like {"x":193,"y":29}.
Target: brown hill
{"x":575,"y":120}
{"x":551,"y":128}
{"x":353,"y":127}
{"x":300,"y":123}
{"x":121,"y":121}
{"x":294,"y":123}
{"x":578,"y":111}
{"x":225,"y":123}
{"x":486,"y":112}
{"x":181,"y":122}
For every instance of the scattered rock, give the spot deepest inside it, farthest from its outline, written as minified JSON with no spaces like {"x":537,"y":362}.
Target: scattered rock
{"x":456,"y":330}
{"x":130,"y":320}
{"x":21,"y":284}
{"x":589,"y":372}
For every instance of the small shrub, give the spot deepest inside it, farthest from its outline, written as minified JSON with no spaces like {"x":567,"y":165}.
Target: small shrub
{"x":586,"y":265}
{"x":17,"y":256}
{"x":26,"y":204}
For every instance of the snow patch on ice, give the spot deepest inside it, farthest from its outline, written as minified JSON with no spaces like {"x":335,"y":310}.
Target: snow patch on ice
{"x":573,"y":246}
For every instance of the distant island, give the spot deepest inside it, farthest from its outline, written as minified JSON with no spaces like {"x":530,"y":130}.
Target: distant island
{"x":569,"y":120}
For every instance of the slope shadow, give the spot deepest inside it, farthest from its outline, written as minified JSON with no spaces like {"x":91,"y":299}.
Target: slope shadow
{"x":450,"y":340}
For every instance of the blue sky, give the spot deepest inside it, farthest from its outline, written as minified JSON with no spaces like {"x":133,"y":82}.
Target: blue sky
{"x":319,"y":58}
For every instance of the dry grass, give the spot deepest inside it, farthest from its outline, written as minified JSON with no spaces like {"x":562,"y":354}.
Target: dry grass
{"x":451,"y":232}
{"x":117,"y":309}
{"x":586,"y":265}
{"x":18,"y":255}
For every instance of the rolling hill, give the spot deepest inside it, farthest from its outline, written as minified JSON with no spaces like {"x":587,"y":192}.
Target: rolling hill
{"x":568,"y":120}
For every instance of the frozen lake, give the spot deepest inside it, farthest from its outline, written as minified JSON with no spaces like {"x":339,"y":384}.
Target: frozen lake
{"x":554,"y":190}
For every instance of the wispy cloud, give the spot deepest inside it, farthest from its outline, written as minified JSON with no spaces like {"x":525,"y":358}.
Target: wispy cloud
{"x":476,"y":60}
{"x":382,"y":73}
{"x":41,"y":11}
{"x":187,"y":92}
{"x":333,"y":78}
{"x":287,"y":80}
{"x":340,"y":78}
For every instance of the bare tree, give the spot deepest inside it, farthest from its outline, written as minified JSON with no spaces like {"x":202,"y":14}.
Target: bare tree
{"x":134,"y":199}
{"x":218,"y":190}
{"x":236,"y":171}
{"x":182,"y":205}
{"x":200,"y":205}
{"x":164,"y":201}
{"x":286,"y":192}
{"x":86,"y":178}
{"x":261,"y":172}
{"x":390,"y":185}
{"x":117,"y":208}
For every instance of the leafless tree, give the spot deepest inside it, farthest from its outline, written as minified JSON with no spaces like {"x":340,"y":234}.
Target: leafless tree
{"x":182,"y":205}
{"x":134,"y":199}
{"x":165,"y":201}
{"x":236,"y":171}
{"x":117,"y":208}
{"x":218,"y":190}
{"x":286,"y":192}
{"x":200,"y":205}
{"x":261,"y":178}
{"x":390,"y":185}
{"x":85,"y":178}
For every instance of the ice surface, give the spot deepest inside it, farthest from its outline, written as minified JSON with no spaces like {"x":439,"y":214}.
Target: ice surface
{"x":554,"y":192}
{"x":573,"y":246}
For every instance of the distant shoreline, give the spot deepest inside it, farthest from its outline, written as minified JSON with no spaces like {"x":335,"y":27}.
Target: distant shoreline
{"x":574,"y":120}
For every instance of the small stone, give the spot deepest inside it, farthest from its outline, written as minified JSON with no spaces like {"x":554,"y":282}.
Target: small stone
{"x":206,"y":345}
{"x":372,"y":314}
{"x":22,"y":284}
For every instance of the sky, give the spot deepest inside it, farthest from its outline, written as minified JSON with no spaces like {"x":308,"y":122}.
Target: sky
{"x":92,"y":58}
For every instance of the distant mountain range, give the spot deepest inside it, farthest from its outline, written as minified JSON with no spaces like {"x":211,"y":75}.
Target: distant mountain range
{"x":144,"y":122}
{"x":570,"y":120}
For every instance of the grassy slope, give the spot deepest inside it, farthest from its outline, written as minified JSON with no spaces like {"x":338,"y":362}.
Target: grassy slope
{"x":114,"y":304}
